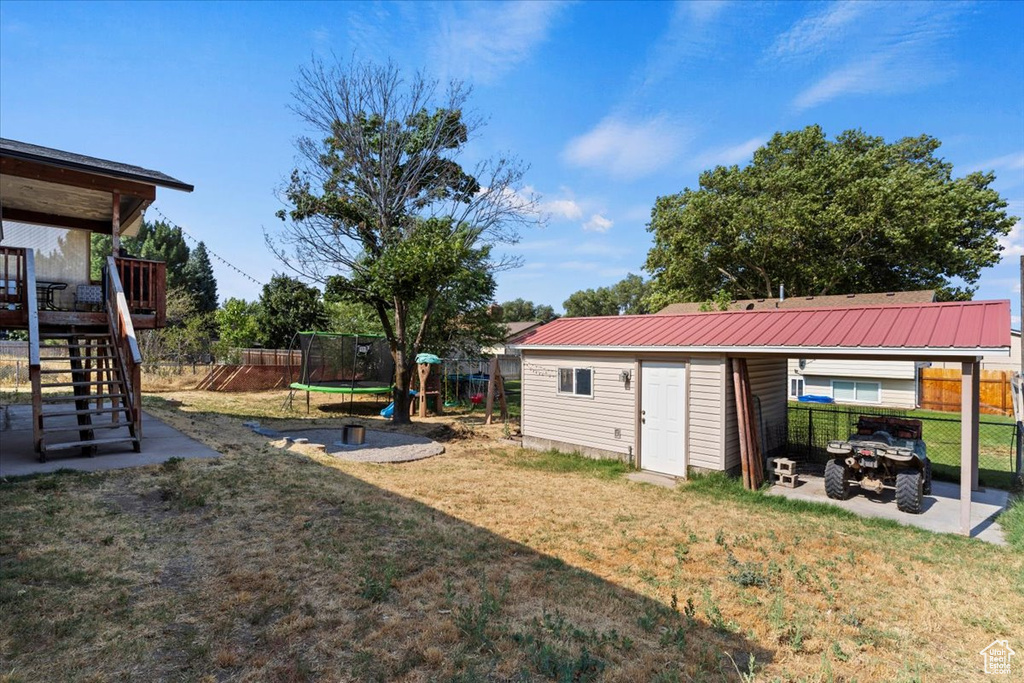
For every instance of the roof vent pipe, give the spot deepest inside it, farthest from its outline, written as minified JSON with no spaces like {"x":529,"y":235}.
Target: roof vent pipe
{"x":782,"y":292}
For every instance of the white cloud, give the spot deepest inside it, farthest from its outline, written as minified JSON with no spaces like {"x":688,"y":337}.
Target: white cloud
{"x":812,"y":34}
{"x":1013,"y":243}
{"x":882,"y":48}
{"x":484,"y":41}
{"x":690,"y":33}
{"x":628,"y":149}
{"x":598,"y":223}
{"x":1007,"y":162}
{"x":727,"y":156}
{"x":563,"y":208}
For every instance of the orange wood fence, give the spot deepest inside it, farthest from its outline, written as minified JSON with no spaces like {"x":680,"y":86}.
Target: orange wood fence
{"x":940,"y":390}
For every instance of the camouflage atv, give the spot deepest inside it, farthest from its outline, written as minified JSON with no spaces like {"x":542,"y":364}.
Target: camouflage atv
{"x":884,"y":452}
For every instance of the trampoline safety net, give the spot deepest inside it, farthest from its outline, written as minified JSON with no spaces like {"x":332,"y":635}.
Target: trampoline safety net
{"x":342,"y":363}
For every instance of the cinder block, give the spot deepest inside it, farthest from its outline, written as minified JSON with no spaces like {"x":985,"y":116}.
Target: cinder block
{"x":783,"y":465}
{"x":787,"y":480}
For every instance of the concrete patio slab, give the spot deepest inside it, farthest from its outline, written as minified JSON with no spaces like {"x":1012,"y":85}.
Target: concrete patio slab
{"x":160,"y":442}
{"x":941,"y":509}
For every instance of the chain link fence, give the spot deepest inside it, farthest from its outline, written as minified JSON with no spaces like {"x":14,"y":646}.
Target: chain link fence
{"x":810,"y":429}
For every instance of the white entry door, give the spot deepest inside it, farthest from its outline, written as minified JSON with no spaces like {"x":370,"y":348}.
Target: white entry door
{"x":662,"y":416}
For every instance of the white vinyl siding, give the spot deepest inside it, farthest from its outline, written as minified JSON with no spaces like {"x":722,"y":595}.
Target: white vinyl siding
{"x":705,"y":418}
{"x":898,"y":393}
{"x":548,"y":414}
{"x":866,"y":369}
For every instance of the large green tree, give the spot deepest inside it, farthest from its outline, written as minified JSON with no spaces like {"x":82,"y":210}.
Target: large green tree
{"x":521,"y":310}
{"x":238,"y":324}
{"x":158,"y":241}
{"x":626,"y":297}
{"x":381,"y":202}
{"x":288,"y":306}
{"x":850,"y":215}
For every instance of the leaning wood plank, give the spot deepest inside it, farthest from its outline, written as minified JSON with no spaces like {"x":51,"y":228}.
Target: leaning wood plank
{"x":737,"y":382}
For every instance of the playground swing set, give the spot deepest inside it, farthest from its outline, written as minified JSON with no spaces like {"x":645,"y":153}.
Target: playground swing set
{"x":351,"y":364}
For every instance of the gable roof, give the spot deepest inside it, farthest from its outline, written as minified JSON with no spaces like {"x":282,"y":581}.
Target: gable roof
{"x":15,"y":149}
{"x":940,"y":329}
{"x":922,"y":296}
{"x":517,"y":328}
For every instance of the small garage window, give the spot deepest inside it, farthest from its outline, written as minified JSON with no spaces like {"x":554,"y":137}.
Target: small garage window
{"x":576,"y":381}
{"x":857,"y":392}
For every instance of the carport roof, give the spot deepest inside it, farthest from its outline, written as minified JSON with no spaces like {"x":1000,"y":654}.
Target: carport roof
{"x":963,"y":328}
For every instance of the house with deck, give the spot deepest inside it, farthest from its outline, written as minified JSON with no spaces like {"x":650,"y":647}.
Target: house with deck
{"x":51,"y":202}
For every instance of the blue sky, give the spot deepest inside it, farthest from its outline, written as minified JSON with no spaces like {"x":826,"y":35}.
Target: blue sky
{"x":611,"y":104}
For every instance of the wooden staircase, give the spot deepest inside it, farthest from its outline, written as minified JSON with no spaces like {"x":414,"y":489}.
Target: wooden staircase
{"x":99,"y":400}
{"x":92,"y":396}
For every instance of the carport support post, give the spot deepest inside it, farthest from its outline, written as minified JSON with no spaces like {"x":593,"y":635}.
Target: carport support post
{"x":969,"y":390}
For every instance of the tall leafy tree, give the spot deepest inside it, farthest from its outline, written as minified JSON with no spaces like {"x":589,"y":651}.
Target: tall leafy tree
{"x":288,"y":306}
{"x":200,"y":281}
{"x":850,"y":215}
{"x":381,"y":202}
{"x":626,"y":297}
{"x":520,"y":310}
{"x":238,"y":323}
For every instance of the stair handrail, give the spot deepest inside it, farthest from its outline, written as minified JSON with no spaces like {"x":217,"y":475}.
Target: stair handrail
{"x":120,"y":318}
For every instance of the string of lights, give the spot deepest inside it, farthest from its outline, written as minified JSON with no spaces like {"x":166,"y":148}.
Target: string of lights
{"x":211,"y":252}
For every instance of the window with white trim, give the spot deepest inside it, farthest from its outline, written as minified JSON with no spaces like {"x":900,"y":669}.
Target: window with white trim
{"x":856,"y":392}
{"x":576,"y":381}
{"x":796,"y":387}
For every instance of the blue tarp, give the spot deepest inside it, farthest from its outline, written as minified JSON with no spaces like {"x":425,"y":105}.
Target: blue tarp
{"x":810,"y":398}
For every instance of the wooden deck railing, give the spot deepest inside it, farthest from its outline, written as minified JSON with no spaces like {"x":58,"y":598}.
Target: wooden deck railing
{"x":13,"y":287}
{"x":128,"y":355}
{"x":34,"y":364}
{"x":145,"y":286}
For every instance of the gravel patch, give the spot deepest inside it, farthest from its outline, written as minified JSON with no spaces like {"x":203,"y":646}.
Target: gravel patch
{"x":378,"y":447}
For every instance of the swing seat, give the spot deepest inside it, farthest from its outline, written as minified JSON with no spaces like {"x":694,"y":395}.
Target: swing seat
{"x":477,"y":399}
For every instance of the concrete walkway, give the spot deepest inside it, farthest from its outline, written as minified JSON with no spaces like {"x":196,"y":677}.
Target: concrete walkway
{"x":941,"y":508}
{"x":160,"y":442}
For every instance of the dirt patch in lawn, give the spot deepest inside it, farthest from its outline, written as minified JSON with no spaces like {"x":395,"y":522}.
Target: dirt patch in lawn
{"x":484,"y":563}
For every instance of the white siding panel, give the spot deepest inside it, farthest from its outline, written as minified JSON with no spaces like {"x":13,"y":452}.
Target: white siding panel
{"x":586,"y":421}
{"x":897,"y":393}
{"x":705,"y":427}
{"x":875,"y":369}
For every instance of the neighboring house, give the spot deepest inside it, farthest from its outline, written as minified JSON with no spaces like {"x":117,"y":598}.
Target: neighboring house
{"x":514,"y":331}
{"x":51,"y":202}
{"x":658,"y":389}
{"x":879,"y":382}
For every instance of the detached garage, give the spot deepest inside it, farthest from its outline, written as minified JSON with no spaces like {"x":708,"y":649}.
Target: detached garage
{"x":657,"y":390}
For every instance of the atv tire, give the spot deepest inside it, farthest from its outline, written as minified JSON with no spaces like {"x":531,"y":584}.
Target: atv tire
{"x":837,"y":480}
{"x":926,"y":488}
{"x":909,"y":491}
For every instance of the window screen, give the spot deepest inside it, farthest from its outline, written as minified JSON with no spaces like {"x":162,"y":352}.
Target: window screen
{"x":576,"y":381}
{"x":859,"y":392}
{"x":565,"y":380}
{"x":583,"y":381}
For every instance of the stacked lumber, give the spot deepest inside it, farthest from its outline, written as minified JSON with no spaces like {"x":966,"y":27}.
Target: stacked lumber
{"x":751,"y":459}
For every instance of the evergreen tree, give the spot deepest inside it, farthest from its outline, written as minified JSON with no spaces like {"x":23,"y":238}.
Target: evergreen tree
{"x":200,"y":281}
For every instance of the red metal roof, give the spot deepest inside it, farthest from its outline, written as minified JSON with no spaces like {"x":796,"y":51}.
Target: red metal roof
{"x":961,"y":325}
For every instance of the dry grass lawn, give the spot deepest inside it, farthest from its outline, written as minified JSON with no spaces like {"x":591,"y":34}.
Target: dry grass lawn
{"x":485,"y":563}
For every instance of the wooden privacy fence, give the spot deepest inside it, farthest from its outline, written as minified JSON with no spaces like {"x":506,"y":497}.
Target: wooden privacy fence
{"x":940,"y":390}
